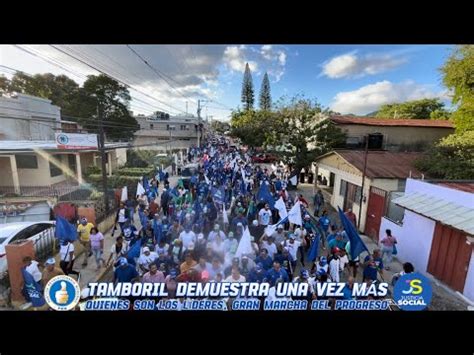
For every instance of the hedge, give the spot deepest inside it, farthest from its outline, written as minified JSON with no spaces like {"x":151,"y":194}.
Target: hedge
{"x":139,"y":172}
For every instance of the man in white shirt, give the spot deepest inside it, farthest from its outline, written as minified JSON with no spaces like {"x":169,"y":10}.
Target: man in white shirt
{"x":31,"y":266}
{"x":235,"y":276}
{"x":292,"y":244}
{"x":145,"y":259}
{"x":187,"y":237}
{"x":213,"y":234}
{"x":270,"y":246}
{"x":335,"y":265}
{"x":279,"y":236}
{"x":265,"y":216}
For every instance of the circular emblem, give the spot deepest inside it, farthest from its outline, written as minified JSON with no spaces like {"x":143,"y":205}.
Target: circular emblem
{"x":413,"y":292}
{"x":62,"y":139}
{"x":62,"y":293}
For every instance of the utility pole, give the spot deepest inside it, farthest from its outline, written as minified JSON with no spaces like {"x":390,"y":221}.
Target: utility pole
{"x":363,"y":179}
{"x":103,"y":156}
{"x":199,"y":124}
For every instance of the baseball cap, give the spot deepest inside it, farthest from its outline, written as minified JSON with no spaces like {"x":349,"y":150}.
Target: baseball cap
{"x":173,"y":273}
{"x":231,"y":234}
{"x":255,"y":222}
{"x":306,"y":216}
{"x":205,"y":275}
{"x":323,"y":260}
{"x":123,"y":261}
{"x":304,"y":273}
{"x":50,"y":261}
{"x":216,"y":227}
{"x":335,"y":250}
{"x":292,"y":236}
{"x":280,"y":226}
{"x":83,"y":220}
{"x":191,"y":246}
{"x":259,"y":267}
{"x":239,"y":224}
{"x":145,"y":249}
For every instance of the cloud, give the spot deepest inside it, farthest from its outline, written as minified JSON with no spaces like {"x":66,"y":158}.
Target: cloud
{"x":274,"y":60}
{"x":282,"y":58}
{"x":352,"y":65}
{"x":235,"y":59}
{"x":370,"y":97}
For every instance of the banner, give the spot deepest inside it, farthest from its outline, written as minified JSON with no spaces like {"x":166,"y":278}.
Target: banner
{"x":294,"y":216}
{"x":124,"y":196}
{"x":280,"y":206}
{"x":76,"y":141}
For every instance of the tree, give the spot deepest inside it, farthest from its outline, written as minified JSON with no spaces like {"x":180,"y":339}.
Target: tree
{"x":252,"y":127}
{"x":451,"y":158}
{"x":265,"y":97}
{"x":113,"y":100}
{"x":302,"y":130}
{"x":219,"y":126}
{"x":247,"y":89}
{"x":4,"y":84}
{"x":416,"y":109}
{"x":458,"y":76}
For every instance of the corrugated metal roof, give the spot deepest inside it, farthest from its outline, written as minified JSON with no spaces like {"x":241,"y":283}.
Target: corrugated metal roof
{"x":461,"y":186}
{"x":383,"y":164}
{"x":448,"y":213}
{"x":371,"y":121}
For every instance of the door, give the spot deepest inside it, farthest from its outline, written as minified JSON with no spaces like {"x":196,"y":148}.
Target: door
{"x":72,"y":163}
{"x":375,"y":212}
{"x":449,"y":256}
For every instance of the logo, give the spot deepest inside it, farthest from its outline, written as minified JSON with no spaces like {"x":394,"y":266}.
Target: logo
{"x":413,"y":292}
{"x":62,"y":293}
{"x":62,"y":139}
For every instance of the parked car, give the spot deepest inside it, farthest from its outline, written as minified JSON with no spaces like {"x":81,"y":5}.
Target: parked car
{"x":264,"y":158}
{"x":42,"y":234}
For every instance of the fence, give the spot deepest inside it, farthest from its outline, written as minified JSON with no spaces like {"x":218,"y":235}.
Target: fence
{"x":55,"y":190}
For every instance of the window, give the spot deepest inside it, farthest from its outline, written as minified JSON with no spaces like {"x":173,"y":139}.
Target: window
{"x":54,"y":170}
{"x":350,"y":192}
{"x":151,"y":125}
{"x":183,"y":127}
{"x":26,"y":161}
{"x":343,"y":188}
{"x":395,"y":213}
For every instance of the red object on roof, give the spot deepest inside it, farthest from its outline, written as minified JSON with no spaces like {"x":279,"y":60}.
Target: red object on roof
{"x":384,"y":164}
{"x":371,"y":121}
{"x":462,"y":186}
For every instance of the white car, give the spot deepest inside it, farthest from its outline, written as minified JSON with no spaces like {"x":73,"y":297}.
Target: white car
{"x":42,"y":234}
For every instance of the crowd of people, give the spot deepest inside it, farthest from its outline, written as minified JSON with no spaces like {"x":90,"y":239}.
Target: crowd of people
{"x":221,"y":224}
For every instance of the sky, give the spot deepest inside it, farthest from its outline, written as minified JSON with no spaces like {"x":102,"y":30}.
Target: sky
{"x":353,"y":79}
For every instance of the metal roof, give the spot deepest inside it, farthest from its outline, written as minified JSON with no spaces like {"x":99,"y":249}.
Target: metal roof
{"x":448,"y":213}
{"x":24,"y":145}
{"x":371,"y":121}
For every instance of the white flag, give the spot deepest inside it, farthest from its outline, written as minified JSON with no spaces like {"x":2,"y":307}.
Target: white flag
{"x":140,"y":189}
{"x":245,"y":244}
{"x":225,"y":218}
{"x":242,"y":171}
{"x":294,"y":216}
{"x":294,"y":180}
{"x":274,"y":167}
{"x":280,"y":206}
{"x":124,"y":196}
{"x":207,"y":180}
{"x":271,"y":228}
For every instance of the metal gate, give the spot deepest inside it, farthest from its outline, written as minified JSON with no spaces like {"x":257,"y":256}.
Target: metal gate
{"x":375,"y":212}
{"x":449,"y":256}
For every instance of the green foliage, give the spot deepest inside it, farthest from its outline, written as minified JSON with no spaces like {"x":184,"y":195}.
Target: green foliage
{"x":252,"y":127}
{"x":451,"y":158}
{"x":136,"y":171}
{"x":90,"y":170}
{"x":140,"y":158}
{"x":247,"y":89}
{"x":80,"y":103}
{"x":220,"y":127}
{"x":265,"y":97}
{"x":416,"y":109}
{"x":458,"y":76}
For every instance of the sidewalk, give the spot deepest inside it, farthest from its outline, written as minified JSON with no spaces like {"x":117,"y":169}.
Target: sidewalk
{"x":444,"y":298}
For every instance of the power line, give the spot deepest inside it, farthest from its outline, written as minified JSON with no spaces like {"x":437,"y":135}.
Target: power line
{"x":120,"y":81}
{"x":159,"y":73}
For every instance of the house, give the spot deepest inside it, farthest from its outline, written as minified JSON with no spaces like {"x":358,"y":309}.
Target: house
{"x":32,"y":162}
{"x":436,"y":231}
{"x":391,"y":134}
{"x":385,"y":174}
{"x":40,"y":168}
{"x":164,"y":133}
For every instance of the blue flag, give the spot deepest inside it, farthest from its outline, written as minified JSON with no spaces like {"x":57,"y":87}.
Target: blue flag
{"x":32,"y":289}
{"x":313,"y":252}
{"x":65,"y":230}
{"x":146,"y":184}
{"x":265,"y":195}
{"x":218,"y":194}
{"x":243,"y":188}
{"x":357,"y":245}
{"x":134,"y":251}
{"x":157,"y":230}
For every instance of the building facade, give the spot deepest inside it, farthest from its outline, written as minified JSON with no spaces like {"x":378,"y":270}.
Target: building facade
{"x":436,"y":232}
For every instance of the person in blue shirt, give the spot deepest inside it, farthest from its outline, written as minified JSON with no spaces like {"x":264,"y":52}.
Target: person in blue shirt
{"x":286,"y":261}
{"x":239,"y":219}
{"x":275,"y":273}
{"x":264,"y":259}
{"x":324,"y":222}
{"x":338,"y":241}
{"x":372,"y":265}
{"x":257,"y":274}
{"x":125,"y":272}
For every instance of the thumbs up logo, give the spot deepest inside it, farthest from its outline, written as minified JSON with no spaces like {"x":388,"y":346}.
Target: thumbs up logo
{"x":62,"y":293}
{"x":62,"y":296}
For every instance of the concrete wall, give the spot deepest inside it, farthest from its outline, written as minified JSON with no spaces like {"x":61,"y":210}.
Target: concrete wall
{"x":121,"y":154}
{"x":386,"y":184}
{"x":469,"y":285}
{"x":6,"y":178}
{"x":41,"y":176}
{"x":152,"y":143}
{"x":414,"y":239}
{"x":399,"y":135}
